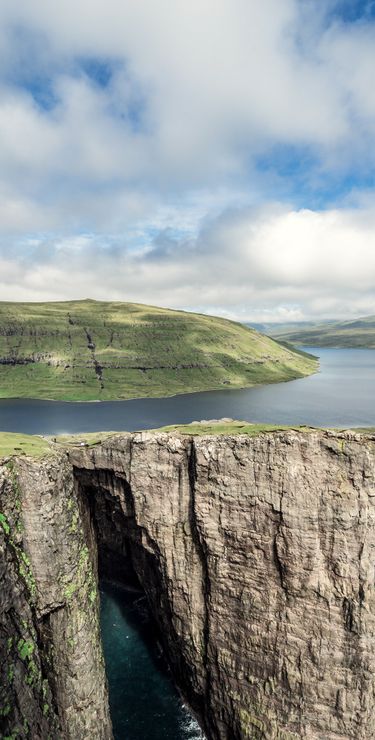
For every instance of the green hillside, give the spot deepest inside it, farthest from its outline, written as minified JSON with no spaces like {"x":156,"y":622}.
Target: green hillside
{"x":359,"y":333}
{"x":88,"y":350}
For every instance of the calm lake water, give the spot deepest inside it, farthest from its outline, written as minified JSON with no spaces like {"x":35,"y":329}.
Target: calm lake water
{"x":341,"y":394}
{"x":144,"y":703}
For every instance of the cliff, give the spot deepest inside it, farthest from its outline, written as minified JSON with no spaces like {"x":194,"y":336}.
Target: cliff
{"x":52,"y":680}
{"x":257,"y":558}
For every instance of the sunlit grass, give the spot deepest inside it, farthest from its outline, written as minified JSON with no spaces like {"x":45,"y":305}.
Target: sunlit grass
{"x":88,"y":350}
{"x":219,"y":427}
{"x":23,"y":444}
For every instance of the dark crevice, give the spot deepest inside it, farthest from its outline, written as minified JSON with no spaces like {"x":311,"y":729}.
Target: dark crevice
{"x":130,"y":559}
{"x":202,"y":554}
{"x":278,"y":562}
{"x":280,"y":565}
{"x":349,"y":615}
{"x":17,"y":360}
{"x":45,"y":643}
{"x":51,"y":610}
{"x":97,"y":366}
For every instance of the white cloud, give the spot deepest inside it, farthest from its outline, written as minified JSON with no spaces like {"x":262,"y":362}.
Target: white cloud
{"x":268,"y":263}
{"x":214,"y":84}
{"x":199,"y":92}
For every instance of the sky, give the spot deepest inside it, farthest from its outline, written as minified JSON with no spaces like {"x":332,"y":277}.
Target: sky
{"x":210,"y":155}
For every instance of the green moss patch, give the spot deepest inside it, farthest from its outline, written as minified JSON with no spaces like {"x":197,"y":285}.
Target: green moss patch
{"x":25,"y":648}
{"x":4,"y":523}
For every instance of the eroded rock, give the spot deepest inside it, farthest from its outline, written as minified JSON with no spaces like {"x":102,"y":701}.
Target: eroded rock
{"x":256,"y":555}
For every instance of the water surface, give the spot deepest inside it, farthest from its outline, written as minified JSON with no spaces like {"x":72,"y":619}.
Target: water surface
{"x":341,"y":394}
{"x":143,"y":700}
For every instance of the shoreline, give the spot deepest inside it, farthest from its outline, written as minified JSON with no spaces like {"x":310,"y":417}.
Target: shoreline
{"x":169,"y":395}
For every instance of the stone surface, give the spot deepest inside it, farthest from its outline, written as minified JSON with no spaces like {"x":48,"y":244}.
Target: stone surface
{"x":257,"y":557}
{"x":52,"y":672}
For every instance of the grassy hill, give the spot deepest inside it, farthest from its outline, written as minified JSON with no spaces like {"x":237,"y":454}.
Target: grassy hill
{"x":358,"y":333}
{"x":88,"y":350}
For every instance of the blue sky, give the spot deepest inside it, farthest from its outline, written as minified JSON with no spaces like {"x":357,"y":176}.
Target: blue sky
{"x":206,"y":155}
{"x":351,"y":11}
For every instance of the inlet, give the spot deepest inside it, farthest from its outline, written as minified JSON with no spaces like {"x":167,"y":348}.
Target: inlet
{"x":144,"y":701}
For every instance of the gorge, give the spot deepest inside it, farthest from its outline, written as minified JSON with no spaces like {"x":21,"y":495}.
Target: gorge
{"x":255,"y":553}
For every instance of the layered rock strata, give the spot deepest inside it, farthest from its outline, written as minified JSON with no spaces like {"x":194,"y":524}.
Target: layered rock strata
{"x":52,"y":679}
{"x":257,"y":557}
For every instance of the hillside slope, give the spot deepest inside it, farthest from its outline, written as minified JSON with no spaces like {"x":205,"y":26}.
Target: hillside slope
{"x":87,"y":350}
{"x":358,"y":333}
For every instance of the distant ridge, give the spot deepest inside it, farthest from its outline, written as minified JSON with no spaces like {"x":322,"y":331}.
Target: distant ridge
{"x":355,"y":333}
{"x":89,"y":350}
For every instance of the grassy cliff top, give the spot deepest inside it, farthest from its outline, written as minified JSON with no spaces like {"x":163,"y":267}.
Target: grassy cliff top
{"x":196,"y":428}
{"x":358,"y":333}
{"x":90,"y":350}
{"x":12,"y":444}
{"x":232,"y":427}
{"x":220,"y":427}
{"x":214,"y":427}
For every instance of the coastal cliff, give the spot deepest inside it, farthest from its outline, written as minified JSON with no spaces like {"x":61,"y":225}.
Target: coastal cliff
{"x":52,"y":679}
{"x":256,"y":555}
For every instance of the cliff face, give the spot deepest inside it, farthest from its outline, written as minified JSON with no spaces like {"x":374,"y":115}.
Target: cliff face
{"x":52,"y":681}
{"x":257,"y":557}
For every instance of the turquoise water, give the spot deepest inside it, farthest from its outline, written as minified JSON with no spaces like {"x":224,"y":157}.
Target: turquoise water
{"x":144,"y":702}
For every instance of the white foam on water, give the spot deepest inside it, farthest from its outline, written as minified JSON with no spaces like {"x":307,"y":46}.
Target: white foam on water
{"x":190,"y":726}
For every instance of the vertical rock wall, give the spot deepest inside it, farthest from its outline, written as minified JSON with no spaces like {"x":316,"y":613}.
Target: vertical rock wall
{"x":257,"y":556}
{"x":52,"y":673}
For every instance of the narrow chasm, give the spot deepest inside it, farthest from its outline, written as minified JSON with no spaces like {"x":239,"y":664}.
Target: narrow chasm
{"x":144,"y":701}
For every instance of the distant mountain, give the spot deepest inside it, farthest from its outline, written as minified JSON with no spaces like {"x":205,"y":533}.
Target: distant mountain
{"x":356,"y":333}
{"x":272,"y":328}
{"x":89,"y":350}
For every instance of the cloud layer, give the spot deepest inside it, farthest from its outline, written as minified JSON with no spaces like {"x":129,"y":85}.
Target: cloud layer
{"x":213,"y":152}
{"x":257,"y":264}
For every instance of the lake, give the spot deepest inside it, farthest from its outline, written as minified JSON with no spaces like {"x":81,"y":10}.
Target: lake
{"x":341,"y":394}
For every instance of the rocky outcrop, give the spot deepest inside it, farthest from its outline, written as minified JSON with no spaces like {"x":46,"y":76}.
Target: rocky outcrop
{"x":257,"y":558}
{"x":52,"y":680}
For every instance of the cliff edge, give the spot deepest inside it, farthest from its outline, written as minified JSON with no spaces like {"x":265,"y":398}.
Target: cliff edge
{"x":257,"y":558}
